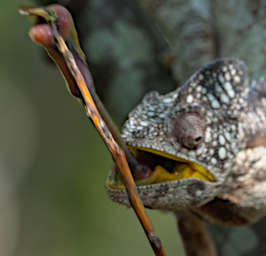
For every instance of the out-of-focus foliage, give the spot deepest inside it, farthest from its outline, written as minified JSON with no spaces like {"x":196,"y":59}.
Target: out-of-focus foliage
{"x":53,"y":164}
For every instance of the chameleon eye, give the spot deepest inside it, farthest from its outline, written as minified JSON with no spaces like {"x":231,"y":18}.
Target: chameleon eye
{"x":189,"y":129}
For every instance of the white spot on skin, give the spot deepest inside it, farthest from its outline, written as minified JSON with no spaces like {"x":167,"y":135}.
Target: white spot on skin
{"x":230,"y":156}
{"x":227,"y":165}
{"x":221,"y":139}
{"x":208,"y":135}
{"x":221,"y":78}
{"x":237,"y":79}
{"x":151,"y":114}
{"x":189,"y":99}
{"x":227,"y":136}
{"x":211,"y":151}
{"x":199,"y":151}
{"x":222,"y":153}
{"x":213,"y":161}
{"x":234,"y":147}
{"x":162,"y":115}
{"x":214,"y":102}
{"x":201,"y":77}
{"x":198,"y":193}
{"x":144,"y":123}
{"x":167,"y":100}
{"x":224,"y":98}
{"x":218,"y":87}
{"x":192,"y":153}
{"x":233,"y":72}
{"x":210,"y":115}
{"x":229,"y":90}
{"x":233,"y":127}
{"x":241,"y":101}
{"x":227,"y":76}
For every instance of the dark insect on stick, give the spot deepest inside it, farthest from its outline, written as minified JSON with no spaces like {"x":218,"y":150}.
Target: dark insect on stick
{"x":55,"y":25}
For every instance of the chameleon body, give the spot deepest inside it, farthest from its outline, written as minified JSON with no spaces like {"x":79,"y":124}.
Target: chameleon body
{"x":213,"y":127}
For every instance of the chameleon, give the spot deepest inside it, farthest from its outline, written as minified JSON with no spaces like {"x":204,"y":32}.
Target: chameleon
{"x":205,"y":143}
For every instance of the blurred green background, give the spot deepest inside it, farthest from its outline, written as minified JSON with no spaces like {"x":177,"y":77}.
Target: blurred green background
{"x":53,"y":164}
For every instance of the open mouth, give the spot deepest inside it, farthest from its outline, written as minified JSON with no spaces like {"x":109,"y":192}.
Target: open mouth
{"x":163,"y":167}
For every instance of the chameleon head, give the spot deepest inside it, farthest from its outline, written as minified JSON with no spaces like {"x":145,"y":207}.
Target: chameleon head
{"x":189,"y":138}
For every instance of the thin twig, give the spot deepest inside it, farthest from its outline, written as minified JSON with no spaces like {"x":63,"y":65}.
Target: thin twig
{"x":117,"y":153}
{"x":115,"y":145}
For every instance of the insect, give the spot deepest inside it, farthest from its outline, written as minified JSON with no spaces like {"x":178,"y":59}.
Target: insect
{"x":205,"y":143}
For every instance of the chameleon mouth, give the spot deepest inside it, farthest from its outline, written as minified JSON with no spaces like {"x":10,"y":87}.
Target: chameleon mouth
{"x":164,"y":168}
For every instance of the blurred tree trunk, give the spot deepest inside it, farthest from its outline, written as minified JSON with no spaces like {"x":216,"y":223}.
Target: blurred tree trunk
{"x":127,"y":47}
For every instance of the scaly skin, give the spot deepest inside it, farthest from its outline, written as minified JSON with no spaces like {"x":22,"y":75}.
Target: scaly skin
{"x":233,"y":116}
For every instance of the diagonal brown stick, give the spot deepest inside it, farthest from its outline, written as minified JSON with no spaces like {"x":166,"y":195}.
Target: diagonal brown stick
{"x":117,"y":153}
{"x":72,"y":74}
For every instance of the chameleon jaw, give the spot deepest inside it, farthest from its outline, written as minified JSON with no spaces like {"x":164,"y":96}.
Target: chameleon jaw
{"x":165,"y":168}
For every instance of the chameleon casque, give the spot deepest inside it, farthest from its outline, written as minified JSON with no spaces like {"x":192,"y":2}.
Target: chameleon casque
{"x":205,"y":143}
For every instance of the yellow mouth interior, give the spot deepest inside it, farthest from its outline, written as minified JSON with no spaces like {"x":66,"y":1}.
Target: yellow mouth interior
{"x":165,"y":168}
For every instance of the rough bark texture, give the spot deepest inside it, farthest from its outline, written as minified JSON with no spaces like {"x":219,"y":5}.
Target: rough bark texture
{"x":125,"y":52}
